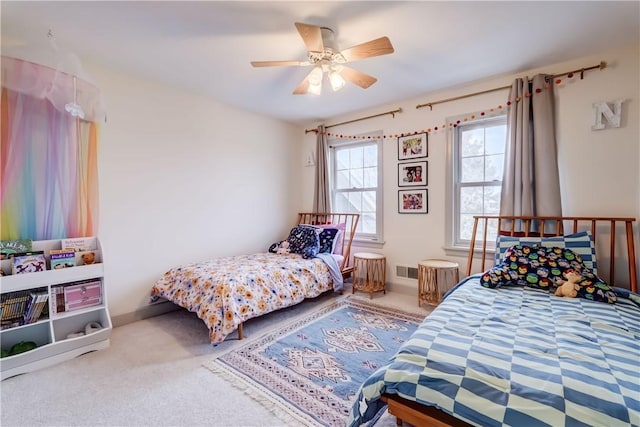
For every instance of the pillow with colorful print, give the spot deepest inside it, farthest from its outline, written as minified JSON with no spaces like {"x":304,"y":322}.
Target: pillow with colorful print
{"x":328,"y":240}
{"x":304,"y":240}
{"x":541,"y":267}
{"x":580,"y":243}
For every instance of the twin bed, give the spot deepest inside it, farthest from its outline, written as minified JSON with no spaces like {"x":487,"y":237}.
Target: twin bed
{"x":226,"y":292}
{"x":516,"y":354}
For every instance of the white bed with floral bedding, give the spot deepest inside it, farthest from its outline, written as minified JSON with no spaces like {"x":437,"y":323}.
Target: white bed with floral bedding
{"x":225,"y":292}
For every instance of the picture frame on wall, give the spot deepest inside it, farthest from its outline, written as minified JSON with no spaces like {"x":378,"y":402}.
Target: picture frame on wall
{"x":413,"y":174}
{"x":413,"y":146}
{"x":413,"y":201}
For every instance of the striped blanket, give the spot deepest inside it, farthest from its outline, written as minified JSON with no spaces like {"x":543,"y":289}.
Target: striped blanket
{"x":517,"y":356}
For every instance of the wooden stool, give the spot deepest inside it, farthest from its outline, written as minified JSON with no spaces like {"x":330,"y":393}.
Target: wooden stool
{"x":369,"y":272}
{"x":435,"y":278}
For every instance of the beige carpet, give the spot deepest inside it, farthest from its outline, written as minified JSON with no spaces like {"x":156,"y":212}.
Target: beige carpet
{"x":152,"y":375}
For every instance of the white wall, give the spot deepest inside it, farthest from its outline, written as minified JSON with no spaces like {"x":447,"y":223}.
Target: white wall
{"x":184,"y":179}
{"x":599,"y":170}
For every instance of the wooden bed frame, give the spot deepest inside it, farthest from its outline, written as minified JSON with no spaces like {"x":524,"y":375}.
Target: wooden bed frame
{"x":324,"y":218}
{"x":421,"y":415}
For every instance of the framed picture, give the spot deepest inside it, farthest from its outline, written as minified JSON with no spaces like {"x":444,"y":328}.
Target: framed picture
{"x":413,"y":201}
{"x":413,"y":146}
{"x":412,"y":174}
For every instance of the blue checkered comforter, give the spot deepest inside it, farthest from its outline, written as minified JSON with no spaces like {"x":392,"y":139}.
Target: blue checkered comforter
{"x":517,"y":356}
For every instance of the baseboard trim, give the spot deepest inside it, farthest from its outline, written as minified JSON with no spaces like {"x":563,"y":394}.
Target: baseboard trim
{"x":144,"y":313}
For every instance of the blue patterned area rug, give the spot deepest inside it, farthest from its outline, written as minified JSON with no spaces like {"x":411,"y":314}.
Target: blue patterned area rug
{"x":308,"y":371}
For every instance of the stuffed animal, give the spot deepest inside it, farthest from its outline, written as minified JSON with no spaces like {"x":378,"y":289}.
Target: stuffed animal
{"x":89,"y":257}
{"x":569,"y":288}
{"x":283,"y":248}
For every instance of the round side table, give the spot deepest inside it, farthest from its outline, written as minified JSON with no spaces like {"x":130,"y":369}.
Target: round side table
{"x":435,"y":278}
{"x":369,"y":272}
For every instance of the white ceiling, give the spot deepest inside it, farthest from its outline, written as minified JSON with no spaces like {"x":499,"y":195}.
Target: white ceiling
{"x":206,"y":46}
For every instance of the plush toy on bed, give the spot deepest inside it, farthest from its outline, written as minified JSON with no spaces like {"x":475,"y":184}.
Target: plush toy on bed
{"x":283,"y":248}
{"x":569,"y":288}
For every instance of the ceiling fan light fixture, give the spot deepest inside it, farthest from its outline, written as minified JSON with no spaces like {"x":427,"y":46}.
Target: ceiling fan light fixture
{"x":315,"y":76}
{"x":315,"y":89}
{"x":336,"y":80}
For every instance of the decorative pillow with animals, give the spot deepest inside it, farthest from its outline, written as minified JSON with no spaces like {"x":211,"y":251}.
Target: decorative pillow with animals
{"x":328,"y":240}
{"x":543,"y":267}
{"x":580,"y":243}
{"x":304,"y":240}
{"x":336,"y":242}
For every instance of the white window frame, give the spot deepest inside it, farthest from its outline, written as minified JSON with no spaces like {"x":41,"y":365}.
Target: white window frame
{"x":453,"y":245}
{"x":365,"y":239}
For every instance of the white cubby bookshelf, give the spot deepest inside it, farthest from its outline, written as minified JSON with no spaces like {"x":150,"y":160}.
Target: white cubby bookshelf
{"x":50,"y":332}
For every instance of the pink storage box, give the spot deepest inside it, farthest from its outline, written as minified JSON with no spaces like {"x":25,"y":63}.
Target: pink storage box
{"x":82,"y":295}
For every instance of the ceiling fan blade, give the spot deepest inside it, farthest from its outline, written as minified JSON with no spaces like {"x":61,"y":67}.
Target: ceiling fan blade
{"x":278,"y":63}
{"x":302,"y":87}
{"x":358,"y":78}
{"x":312,"y":36}
{"x":377,"y":47}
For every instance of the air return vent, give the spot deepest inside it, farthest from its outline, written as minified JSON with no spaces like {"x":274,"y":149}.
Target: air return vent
{"x":405,"y":271}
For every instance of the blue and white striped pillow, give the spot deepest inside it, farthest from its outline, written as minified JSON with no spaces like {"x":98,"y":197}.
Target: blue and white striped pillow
{"x":580,"y":243}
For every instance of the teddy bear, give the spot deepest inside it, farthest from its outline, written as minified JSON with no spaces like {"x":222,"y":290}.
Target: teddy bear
{"x":283,"y":248}
{"x":568,"y":288}
{"x":89,"y":257}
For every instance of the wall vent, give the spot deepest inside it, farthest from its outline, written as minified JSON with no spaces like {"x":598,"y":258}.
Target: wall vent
{"x":405,"y":271}
{"x":401,"y":271}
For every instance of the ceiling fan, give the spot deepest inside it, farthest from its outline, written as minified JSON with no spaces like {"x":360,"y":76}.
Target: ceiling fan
{"x":325,"y":57}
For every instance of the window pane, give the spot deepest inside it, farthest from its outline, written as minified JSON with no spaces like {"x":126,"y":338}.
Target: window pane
{"x":356,"y":159}
{"x":494,"y":165}
{"x":472,"y":143}
{"x":471,"y":200}
{"x":370,"y":155}
{"x":471,"y":169}
{"x":357,"y":178}
{"x":492,"y":200}
{"x":466,"y":226}
{"x":370,"y":177}
{"x":369,"y":201}
{"x":342,"y":159}
{"x":342,"y":202}
{"x":367,"y":223}
{"x":495,"y":138}
{"x":342,"y":179}
{"x":355,"y":200}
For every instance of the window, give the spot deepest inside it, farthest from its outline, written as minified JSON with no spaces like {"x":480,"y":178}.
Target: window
{"x":476,"y":168}
{"x":356,"y":182}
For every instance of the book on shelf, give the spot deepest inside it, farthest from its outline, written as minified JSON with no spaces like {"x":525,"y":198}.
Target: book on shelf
{"x":35,"y":305}
{"x":57,"y":299}
{"x":80,"y":244}
{"x":10,"y":247}
{"x":28,"y":262}
{"x":62,"y":258}
{"x":13,"y":306}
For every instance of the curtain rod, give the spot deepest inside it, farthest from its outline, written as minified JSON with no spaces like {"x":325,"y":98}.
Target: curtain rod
{"x":393,"y":113}
{"x":602,"y":65}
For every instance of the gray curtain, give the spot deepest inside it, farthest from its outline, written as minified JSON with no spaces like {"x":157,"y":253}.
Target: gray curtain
{"x":531,"y":185}
{"x":322,"y":191}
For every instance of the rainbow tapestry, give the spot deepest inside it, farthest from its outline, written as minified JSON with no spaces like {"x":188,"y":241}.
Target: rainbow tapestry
{"x":48,"y":169}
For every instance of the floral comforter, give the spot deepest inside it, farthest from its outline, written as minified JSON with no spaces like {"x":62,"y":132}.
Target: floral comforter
{"x":225,"y":292}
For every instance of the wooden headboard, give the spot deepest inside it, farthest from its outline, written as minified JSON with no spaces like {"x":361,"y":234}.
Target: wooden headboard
{"x":600,"y":227}
{"x":351,"y":223}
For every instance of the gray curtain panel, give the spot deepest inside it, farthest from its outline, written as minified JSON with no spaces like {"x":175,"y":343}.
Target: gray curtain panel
{"x":322,"y":191}
{"x":531,"y":184}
